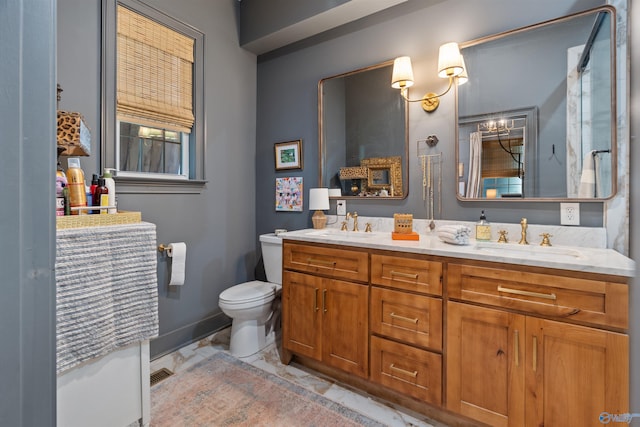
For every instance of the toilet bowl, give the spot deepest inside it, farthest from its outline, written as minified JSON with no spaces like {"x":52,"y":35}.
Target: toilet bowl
{"x":253,"y":306}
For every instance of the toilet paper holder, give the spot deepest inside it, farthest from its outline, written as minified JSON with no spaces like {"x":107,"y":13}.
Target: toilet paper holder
{"x":163,"y":248}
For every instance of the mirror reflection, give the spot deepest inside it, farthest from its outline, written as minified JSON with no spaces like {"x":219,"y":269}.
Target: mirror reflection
{"x":362,"y":125}
{"x":536,"y":120}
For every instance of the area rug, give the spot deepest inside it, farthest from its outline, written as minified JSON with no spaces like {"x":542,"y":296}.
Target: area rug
{"x":224,"y":391}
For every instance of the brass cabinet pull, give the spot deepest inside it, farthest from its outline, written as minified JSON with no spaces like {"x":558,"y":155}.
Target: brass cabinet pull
{"x":526,"y":293}
{"x":516,"y":337}
{"x":535,"y":353}
{"x":405,"y":275}
{"x":324,"y":300}
{"x":315,"y":300}
{"x":321,"y":262}
{"x":413,"y":374}
{"x":408,"y":319}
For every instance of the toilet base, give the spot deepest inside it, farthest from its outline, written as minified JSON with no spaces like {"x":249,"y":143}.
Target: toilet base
{"x":247,"y":337}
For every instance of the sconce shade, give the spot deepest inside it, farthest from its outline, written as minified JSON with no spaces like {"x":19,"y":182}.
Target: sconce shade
{"x":464,"y":76}
{"x":449,"y":60}
{"x":402,"y":76}
{"x":319,"y":199}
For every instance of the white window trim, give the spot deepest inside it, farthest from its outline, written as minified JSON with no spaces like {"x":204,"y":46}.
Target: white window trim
{"x":131,"y":182}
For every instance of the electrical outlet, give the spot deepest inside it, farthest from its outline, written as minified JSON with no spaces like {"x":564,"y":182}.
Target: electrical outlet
{"x":341,"y":207}
{"x":570,"y":213}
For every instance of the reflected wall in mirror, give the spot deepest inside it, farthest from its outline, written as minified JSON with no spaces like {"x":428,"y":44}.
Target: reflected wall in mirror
{"x":362,"y":118}
{"x":537,"y":119}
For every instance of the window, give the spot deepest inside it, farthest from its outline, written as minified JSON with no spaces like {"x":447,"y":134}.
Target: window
{"x":153,"y":95}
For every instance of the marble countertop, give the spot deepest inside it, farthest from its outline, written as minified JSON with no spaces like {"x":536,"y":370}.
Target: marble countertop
{"x":590,"y":260}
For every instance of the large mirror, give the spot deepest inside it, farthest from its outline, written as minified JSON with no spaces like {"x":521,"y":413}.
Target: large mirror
{"x":363,"y":136}
{"x":537,"y":118}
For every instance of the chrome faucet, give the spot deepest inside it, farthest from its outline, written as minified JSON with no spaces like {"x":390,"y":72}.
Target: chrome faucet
{"x":523,"y":233}
{"x":355,"y":219}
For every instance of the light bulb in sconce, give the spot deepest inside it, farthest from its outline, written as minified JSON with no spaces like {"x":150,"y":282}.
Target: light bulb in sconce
{"x":318,"y":202}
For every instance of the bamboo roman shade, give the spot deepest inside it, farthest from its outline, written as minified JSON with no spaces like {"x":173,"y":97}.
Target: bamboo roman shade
{"x":498,"y":163}
{"x":155,"y":73}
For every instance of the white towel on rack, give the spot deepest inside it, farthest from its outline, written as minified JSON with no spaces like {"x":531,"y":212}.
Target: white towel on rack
{"x":454,"y":234}
{"x":587,"y":186}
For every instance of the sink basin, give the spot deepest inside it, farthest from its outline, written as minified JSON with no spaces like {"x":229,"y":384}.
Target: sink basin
{"x":529,"y":251}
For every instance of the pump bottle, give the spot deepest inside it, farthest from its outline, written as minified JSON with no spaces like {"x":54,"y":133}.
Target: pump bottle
{"x":483,"y":229}
{"x":111,"y":186}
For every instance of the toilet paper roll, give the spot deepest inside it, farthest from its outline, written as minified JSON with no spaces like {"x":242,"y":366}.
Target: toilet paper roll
{"x":178,"y":254}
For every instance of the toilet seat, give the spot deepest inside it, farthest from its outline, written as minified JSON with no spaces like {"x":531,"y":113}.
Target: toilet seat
{"x":255,"y":291}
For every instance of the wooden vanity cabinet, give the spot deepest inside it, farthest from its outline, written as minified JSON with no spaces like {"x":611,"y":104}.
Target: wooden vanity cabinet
{"x":406,"y":325}
{"x":500,"y":344}
{"x":507,"y":367}
{"x":325,"y":317}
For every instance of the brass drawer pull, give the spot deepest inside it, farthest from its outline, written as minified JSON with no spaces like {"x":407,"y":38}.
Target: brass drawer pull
{"x":324,"y":300}
{"x":315,"y":300}
{"x":405,"y":275}
{"x":407,"y":319}
{"x":413,"y":374}
{"x":321,"y":262}
{"x":527,"y":293}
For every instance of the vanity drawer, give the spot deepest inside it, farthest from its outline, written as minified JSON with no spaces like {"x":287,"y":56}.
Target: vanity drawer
{"x":406,"y":369}
{"x":582,"y":299}
{"x":331,"y":262}
{"x":405,"y":273}
{"x":415,"y":319}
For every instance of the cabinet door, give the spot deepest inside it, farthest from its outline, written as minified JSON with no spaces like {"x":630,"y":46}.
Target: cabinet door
{"x":301,"y":315}
{"x":485,"y":364}
{"x":345,"y":326}
{"x":574,"y":373}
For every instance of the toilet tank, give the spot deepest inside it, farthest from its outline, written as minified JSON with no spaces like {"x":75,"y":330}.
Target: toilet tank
{"x":272,"y":257}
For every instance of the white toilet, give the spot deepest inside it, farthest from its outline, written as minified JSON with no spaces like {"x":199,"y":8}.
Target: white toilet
{"x":250,"y":305}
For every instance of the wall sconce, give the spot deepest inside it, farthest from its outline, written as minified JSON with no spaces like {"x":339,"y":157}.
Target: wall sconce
{"x":450,"y":65}
{"x":318,"y":202}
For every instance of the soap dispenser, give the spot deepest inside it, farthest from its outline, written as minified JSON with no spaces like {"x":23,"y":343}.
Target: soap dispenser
{"x":483,"y":229}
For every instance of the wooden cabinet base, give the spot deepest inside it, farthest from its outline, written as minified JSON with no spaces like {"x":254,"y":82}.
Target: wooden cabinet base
{"x":393,"y":397}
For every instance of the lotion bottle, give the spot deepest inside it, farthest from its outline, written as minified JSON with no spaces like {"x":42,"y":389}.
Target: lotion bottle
{"x":75,"y":183}
{"x":483,"y":229}
{"x":111,"y":186}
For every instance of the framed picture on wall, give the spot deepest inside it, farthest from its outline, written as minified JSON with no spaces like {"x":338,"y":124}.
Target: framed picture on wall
{"x":288,"y":155}
{"x":289,"y":194}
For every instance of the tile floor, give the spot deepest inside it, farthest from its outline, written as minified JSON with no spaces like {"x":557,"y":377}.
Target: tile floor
{"x":269,"y":361}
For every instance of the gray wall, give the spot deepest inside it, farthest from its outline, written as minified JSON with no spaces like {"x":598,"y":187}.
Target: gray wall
{"x":27,"y":305}
{"x":218,"y":224}
{"x":287,"y":100}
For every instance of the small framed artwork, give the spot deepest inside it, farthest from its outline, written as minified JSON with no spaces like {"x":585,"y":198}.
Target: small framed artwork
{"x":289,"y":194}
{"x":288,"y":155}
